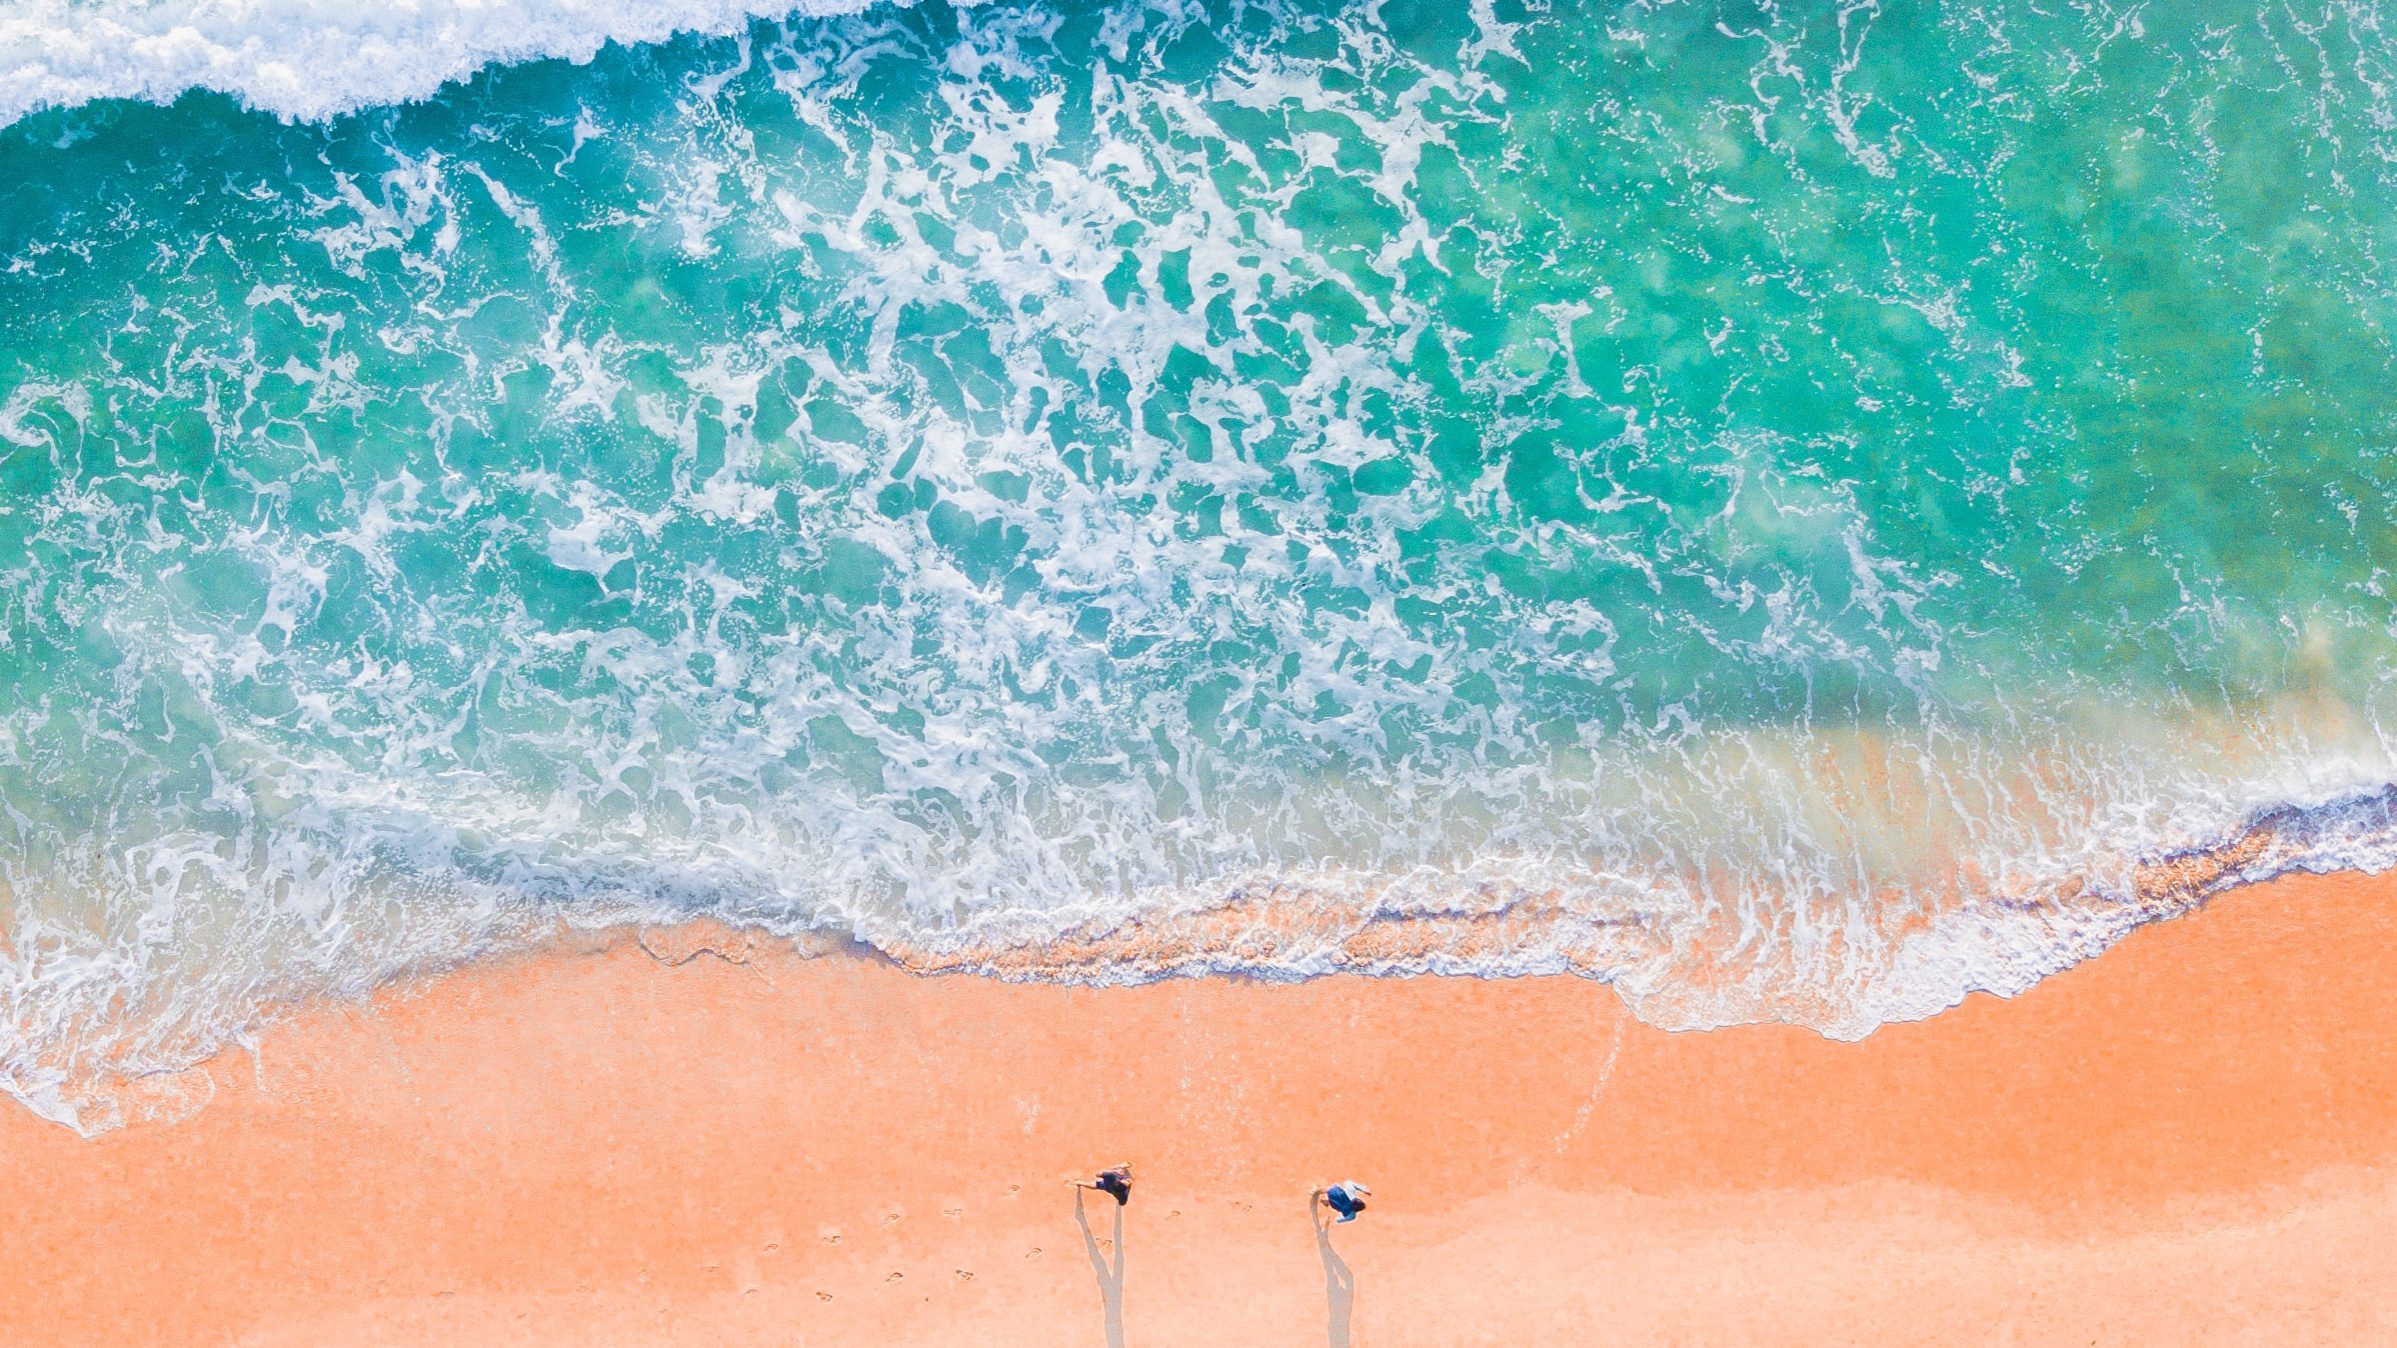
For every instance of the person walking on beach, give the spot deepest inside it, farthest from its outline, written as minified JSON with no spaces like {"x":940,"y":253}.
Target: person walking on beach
{"x":1115,"y":1182}
{"x":1346,"y":1198}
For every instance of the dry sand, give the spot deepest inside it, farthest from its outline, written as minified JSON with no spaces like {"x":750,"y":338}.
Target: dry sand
{"x":2184,"y":1141}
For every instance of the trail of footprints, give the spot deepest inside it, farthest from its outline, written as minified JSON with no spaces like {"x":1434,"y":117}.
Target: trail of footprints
{"x":831,"y":1236}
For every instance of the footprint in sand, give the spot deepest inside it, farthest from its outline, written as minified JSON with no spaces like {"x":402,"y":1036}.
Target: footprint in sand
{"x":1033,"y":1253}
{"x":895,"y":1276}
{"x":830,"y":1235}
{"x":823,"y":1296}
{"x":965,"y":1274}
{"x":893,"y":1215}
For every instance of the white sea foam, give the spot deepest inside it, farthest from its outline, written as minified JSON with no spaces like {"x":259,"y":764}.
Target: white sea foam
{"x":313,"y":59}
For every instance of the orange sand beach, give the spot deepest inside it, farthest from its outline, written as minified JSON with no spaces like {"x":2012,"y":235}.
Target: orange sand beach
{"x":2187,"y":1140}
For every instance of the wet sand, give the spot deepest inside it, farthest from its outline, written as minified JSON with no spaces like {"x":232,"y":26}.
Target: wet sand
{"x":2188,"y":1140}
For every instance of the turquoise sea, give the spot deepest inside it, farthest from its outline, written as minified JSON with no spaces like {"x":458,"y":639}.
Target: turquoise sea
{"x":1800,"y":511}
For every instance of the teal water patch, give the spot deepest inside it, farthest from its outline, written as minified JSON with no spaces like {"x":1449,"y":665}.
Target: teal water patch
{"x":1783,"y":508}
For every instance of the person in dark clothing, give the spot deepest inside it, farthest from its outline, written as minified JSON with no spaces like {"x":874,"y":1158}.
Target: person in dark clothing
{"x":1347,"y":1198}
{"x":1115,"y":1182}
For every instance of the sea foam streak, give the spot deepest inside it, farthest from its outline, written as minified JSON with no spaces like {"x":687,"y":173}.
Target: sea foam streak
{"x":319,"y":58}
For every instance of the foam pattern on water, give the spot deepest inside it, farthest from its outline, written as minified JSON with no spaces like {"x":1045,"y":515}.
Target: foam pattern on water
{"x":317,"y":58}
{"x":1799,"y":511}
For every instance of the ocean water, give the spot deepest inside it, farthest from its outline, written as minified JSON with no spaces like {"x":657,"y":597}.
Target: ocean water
{"x":1797,"y":510}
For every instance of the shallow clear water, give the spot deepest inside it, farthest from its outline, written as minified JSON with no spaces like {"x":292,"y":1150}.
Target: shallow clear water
{"x":1787,"y":508}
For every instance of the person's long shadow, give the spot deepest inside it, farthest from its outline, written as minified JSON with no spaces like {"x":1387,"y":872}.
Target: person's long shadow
{"x":1339,"y":1285}
{"x":1111,"y":1278}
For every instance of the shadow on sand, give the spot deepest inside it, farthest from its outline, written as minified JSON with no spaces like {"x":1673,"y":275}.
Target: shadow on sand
{"x":1339,"y":1285}
{"x":1111,"y":1276}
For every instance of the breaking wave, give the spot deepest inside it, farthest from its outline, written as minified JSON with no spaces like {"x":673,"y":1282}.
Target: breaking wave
{"x":313,"y":59}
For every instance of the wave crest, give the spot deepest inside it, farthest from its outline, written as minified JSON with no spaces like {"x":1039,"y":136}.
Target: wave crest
{"x":314,"y":59}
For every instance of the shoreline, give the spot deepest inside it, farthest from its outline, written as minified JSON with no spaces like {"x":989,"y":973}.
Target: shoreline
{"x":692,"y":1136}
{"x":1296,"y":929}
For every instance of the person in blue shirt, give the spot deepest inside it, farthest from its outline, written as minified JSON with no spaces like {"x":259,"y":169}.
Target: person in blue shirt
{"x":1347,"y":1198}
{"x":1116,"y":1183}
